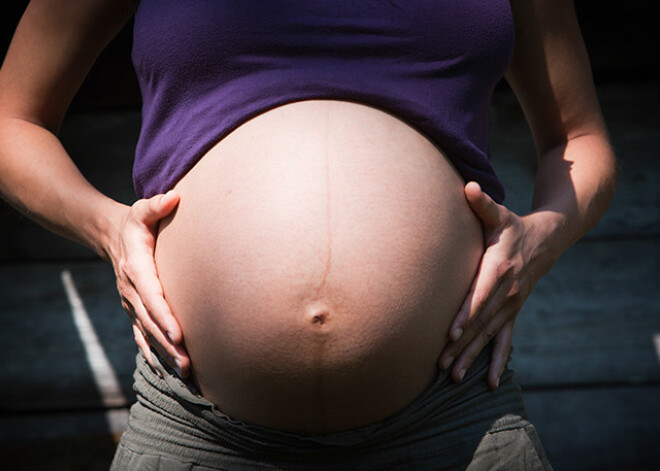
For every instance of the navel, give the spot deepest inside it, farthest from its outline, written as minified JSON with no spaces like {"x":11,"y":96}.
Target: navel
{"x":318,"y":316}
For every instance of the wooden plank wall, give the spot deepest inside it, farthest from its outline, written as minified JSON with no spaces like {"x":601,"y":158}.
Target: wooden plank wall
{"x":587,"y":347}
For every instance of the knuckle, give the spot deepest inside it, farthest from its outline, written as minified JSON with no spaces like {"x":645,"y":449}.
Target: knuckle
{"x":488,"y":335}
{"x":137,"y":335}
{"x":139,"y":206}
{"x":148,"y":336}
{"x":153,"y":204}
{"x":128,"y":269}
{"x":505,"y":269}
{"x":124,"y":268}
{"x":149,"y":305}
{"x":151,"y":294}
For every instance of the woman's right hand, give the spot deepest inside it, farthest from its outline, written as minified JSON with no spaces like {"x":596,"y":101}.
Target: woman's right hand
{"x":140,"y":290}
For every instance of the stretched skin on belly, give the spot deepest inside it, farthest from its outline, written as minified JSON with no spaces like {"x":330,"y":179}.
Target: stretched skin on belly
{"x":316,"y":260}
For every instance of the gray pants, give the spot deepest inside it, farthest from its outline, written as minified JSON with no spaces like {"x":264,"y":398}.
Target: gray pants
{"x":448,"y":427}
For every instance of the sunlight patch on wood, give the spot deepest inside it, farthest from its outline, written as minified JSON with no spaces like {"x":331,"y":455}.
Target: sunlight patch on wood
{"x":103,"y":372}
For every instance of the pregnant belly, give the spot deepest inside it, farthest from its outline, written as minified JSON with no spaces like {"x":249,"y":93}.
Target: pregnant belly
{"x":316,"y":260}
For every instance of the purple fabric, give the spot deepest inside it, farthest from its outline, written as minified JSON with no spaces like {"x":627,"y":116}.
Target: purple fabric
{"x":207,"y":66}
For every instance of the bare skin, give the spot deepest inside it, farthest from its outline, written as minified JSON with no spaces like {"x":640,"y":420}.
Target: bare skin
{"x":56,"y":44}
{"x":315,"y":268}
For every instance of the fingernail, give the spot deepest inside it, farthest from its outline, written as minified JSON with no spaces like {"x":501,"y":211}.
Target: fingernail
{"x":456,"y":334}
{"x":447,"y":363}
{"x":461,"y":374}
{"x":497,"y":383}
{"x":170,"y":336}
{"x":178,"y":368}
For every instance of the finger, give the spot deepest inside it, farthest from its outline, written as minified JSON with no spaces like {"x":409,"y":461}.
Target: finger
{"x":174,"y":354}
{"x":454,"y":350}
{"x":128,"y":307}
{"x":152,"y":210}
{"x":141,"y":341}
{"x":463,"y":315}
{"x":142,"y":271}
{"x":152,"y":298}
{"x":480,"y":339}
{"x":142,"y":344}
{"x":483,"y":287}
{"x":500,"y":355}
{"x":486,"y":295}
{"x":483,"y":205}
{"x":141,"y":277}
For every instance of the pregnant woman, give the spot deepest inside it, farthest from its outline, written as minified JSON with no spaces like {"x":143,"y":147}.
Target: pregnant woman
{"x":319,"y":269}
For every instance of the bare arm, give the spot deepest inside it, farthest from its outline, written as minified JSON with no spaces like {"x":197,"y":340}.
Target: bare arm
{"x":53,"y":49}
{"x":576,"y":176}
{"x":551,"y":77}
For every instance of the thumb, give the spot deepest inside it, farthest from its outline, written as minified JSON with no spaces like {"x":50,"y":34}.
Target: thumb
{"x":157,"y":207}
{"x":483,"y":205}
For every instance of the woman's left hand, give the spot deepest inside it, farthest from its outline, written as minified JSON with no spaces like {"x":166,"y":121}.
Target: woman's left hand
{"x":513,"y":261}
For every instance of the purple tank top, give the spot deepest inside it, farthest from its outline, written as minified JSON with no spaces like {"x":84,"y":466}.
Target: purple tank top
{"x":207,"y":66}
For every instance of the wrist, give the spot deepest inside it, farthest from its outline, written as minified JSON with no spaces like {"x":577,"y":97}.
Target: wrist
{"x":109,"y":218}
{"x":549,"y":229}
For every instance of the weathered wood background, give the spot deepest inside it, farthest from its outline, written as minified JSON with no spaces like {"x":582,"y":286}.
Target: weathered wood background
{"x":587,"y":345}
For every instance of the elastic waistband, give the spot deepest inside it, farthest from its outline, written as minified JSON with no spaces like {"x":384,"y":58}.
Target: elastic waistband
{"x":171,"y":418}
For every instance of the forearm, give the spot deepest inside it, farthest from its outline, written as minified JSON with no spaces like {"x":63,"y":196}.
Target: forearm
{"x":574,"y":186}
{"x":38,"y":177}
{"x":53,"y":48}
